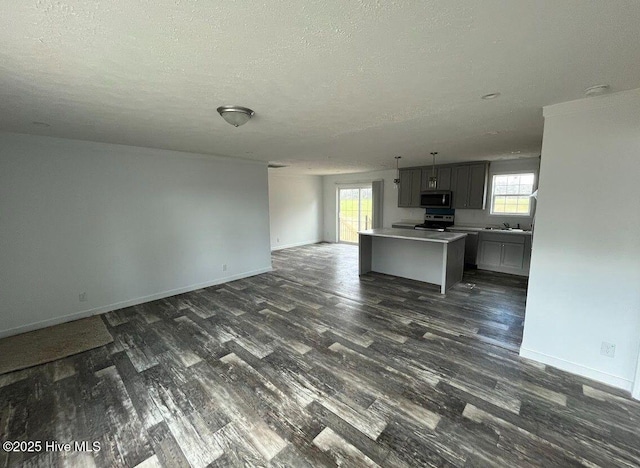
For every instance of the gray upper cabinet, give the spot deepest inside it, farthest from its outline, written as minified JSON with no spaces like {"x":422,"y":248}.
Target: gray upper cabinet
{"x":468,"y":182}
{"x":444,"y":177}
{"x":410,"y":187}
{"x":478,"y":174}
{"x":461,"y":187}
{"x":470,"y":185}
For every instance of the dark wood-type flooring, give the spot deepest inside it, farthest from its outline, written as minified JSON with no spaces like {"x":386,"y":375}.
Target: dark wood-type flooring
{"x":311,"y":366}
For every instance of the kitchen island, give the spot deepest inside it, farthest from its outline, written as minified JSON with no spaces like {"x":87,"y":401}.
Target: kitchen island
{"x":429,"y":256}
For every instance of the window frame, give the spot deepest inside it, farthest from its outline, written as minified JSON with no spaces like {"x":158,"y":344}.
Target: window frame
{"x":492,"y":195}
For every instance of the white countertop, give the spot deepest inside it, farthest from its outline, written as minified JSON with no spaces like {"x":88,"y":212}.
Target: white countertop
{"x":426,"y":236}
{"x":408,"y":222}
{"x":490,"y":231}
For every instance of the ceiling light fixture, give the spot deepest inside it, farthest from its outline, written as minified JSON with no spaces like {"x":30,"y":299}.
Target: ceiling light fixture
{"x":486,"y":97}
{"x":396,"y":181}
{"x":235,"y":115}
{"x":433,"y":179}
{"x":596,"y":90}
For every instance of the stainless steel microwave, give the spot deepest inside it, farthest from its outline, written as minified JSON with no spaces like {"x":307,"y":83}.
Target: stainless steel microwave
{"x":435,"y":199}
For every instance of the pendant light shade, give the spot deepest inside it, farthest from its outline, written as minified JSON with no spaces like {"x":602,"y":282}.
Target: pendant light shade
{"x":396,"y":181}
{"x":433,"y":179}
{"x":235,"y":115}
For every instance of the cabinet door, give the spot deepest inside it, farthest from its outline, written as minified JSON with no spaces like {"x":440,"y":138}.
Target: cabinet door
{"x":416,"y":178}
{"x":477,"y":184}
{"x":426,"y":173}
{"x":444,"y":178}
{"x":491,"y":253}
{"x":512,"y":255}
{"x":460,"y":186}
{"x":404,"y":190}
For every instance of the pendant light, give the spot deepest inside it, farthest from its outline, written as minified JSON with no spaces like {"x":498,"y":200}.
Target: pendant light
{"x":433,"y":179}
{"x":396,"y":181}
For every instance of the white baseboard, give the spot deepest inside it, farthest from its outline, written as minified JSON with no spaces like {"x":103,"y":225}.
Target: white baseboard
{"x":128,"y":303}
{"x":297,"y":244}
{"x":579,"y":369}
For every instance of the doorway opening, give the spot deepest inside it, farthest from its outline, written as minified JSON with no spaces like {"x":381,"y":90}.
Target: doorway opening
{"x":355,"y":212}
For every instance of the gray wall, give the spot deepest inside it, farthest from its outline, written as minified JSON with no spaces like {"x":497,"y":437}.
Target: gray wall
{"x":295,"y":209}
{"x":123,"y":224}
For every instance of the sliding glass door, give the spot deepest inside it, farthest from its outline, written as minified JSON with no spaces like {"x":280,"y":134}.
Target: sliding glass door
{"x":355,"y":212}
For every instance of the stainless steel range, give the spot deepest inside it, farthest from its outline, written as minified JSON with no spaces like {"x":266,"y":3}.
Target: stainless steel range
{"x":435,"y":222}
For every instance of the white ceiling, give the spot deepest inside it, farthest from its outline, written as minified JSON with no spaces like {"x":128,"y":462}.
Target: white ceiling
{"x":337,"y":86}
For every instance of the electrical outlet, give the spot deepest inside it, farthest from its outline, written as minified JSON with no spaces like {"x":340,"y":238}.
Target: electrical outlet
{"x":224,"y":267}
{"x":278,"y":240}
{"x":608,"y":349}
{"x":82,"y":297}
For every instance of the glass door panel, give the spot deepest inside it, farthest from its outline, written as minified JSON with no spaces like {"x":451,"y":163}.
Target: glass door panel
{"x":354,"y":212}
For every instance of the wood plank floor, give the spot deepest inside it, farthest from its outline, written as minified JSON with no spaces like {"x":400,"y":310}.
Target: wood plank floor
{"x":311,"y":366}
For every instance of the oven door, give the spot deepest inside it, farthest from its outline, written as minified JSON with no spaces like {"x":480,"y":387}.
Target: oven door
{"x":436,"y":199}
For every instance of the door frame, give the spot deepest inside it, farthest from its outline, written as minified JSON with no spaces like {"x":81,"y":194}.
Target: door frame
{"x":352,"y":185}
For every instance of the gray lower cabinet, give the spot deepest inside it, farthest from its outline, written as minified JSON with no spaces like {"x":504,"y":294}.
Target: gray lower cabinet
{"x":410,"y":187}
{"x":469,"y":185}
{"x":506,"y":253}
{"x":470,"y":246}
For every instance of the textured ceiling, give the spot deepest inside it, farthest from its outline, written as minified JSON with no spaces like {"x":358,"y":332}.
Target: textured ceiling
{"x":337,"y":86}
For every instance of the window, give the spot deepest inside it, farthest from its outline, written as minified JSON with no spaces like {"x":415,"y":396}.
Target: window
{"x":510,"y":194}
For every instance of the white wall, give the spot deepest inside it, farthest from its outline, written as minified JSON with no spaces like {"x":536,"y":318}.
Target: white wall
{"x":484,"y":217}
{"x":584,"y":286}
{"x":123,"y":224}
{"x":295,"y":209}
{"x":390,"y":213}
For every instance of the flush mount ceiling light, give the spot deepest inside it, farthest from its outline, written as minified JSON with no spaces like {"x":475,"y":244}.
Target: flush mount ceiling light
{"x":235,"y":115}
{"x":596,"y":90}
{"x":489,"y":96}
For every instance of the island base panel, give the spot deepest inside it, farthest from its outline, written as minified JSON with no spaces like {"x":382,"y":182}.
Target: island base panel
{"x":420,"y":261}
{"x":364,"y":246}
{"x":454,"y":261}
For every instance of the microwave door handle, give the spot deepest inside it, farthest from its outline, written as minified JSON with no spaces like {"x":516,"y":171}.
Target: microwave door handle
{"x":443,"y":200}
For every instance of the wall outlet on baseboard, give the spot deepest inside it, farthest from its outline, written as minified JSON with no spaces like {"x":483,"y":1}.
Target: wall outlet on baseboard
{"x":82,"y":297}
{"x":608,"y":349}
{"x":224,"y":267}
